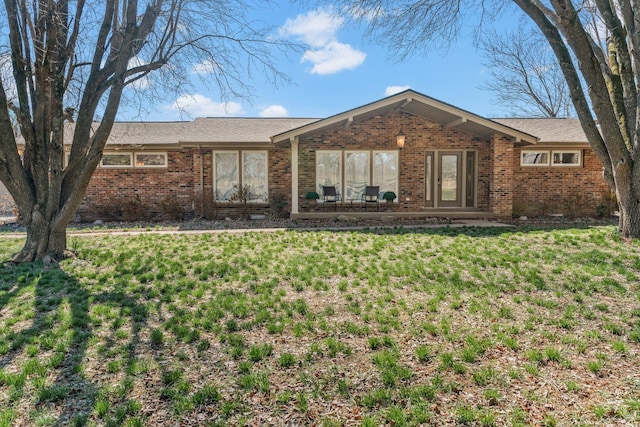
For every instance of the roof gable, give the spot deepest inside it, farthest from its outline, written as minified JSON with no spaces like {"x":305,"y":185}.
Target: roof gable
{"x":415,"y":103}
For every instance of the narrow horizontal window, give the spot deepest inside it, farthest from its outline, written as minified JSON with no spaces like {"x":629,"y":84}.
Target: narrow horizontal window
{"x":151,"y":160}
{"x":567,"y":158}
{"x":534,"y":158}
{"x":116,"y":160}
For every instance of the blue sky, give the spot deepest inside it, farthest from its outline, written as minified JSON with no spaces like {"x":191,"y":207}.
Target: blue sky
{"x":341,"y":70}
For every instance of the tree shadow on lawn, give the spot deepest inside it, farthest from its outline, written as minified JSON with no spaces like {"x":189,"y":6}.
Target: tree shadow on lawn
{"x":60,"y":384}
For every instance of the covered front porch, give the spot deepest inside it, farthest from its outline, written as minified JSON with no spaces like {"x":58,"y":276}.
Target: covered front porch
{"x":440,"y":162}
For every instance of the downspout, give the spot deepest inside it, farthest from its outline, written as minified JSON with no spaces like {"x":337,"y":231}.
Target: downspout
{"x":294,"y":175}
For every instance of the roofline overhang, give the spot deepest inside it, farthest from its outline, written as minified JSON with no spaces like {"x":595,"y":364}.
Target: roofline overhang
{"x":402,"y":100}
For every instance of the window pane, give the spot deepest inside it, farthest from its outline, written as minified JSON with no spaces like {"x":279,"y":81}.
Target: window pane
{"x":116,"y":159}
{"x":449,"y":174}
{"x":328,"y":169}
{"x":429,"y":179}
{"x":226,"y":175}
{"x":254,"y":173}
{"x":385,"y":171}
{"x":356,"y":174}
{"x":535,"y":158}
{"x":151,"y":159}
{"x":566,"y":158}
{"x":471,"y":179}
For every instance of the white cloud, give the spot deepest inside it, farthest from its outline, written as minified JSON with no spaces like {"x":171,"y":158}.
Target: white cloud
{"x":392,"y":90}
{"x":197,"y":105}
{"x":334,"y":57}
{"x":316,"y":28}
{"x":274,"y":111}
{"x":205,"y":67}
{"x":319,"y":30}
{"x":143,"y":82}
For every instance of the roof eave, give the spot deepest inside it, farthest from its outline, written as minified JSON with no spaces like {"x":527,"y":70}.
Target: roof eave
{"x":402,"y":100}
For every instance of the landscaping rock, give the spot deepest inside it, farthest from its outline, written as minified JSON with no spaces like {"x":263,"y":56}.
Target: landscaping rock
{"x":346,"y":218}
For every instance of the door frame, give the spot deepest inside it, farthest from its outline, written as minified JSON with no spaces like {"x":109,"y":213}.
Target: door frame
{"x":466,"y":197}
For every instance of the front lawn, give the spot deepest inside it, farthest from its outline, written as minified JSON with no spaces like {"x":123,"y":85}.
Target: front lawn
{"x":398,"y":327}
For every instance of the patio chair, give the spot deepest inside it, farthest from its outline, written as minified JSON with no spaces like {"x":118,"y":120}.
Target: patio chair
{"x":371,"y":195}
{"x":330,"y":195}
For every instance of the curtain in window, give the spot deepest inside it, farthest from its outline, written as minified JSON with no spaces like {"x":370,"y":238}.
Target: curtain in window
{"x":226,"y":175}
{"x":254,"y":173}
{"x":328,"y":169}
{"x":356,"y":174}
{"x":385,"y":171}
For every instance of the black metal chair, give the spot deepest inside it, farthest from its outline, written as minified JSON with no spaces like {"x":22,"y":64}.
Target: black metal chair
{"x":371,"y":195}
{"x":330,"y":195}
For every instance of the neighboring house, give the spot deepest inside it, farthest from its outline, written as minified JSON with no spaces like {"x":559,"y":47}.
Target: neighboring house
{"x":453,"y":163}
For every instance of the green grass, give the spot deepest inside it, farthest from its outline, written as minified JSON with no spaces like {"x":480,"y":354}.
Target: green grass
{"x":394,"y":327}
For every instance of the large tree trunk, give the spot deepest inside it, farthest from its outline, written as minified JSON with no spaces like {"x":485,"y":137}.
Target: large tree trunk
{"x":627,"y":192}
{"x":46,"y":238}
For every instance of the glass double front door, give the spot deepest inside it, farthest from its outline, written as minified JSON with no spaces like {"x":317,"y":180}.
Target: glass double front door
{"x":450,"y":179}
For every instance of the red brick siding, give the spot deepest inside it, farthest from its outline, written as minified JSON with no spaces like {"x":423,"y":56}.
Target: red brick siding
{"x":141,"y":189}
{"x":501,"y":192}
{"x":118,"y":193}
{"x":544,"y":190}
{"x":378,"y":133}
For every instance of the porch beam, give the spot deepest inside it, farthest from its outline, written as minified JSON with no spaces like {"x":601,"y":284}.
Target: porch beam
{"x":349,"y":122}
{"x":294,"y":176}
{"x":406,"y":102}
{"x":456,"y":122}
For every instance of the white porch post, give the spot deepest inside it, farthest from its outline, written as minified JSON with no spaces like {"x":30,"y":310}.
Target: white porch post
{"x":294,"y":175}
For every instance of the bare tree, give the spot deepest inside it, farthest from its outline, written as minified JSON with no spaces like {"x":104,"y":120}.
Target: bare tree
{"x":603,"y":78}
{"x":524,"y":74}
{"x":73,"y":60}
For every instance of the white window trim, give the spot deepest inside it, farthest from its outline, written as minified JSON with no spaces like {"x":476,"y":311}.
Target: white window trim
{"x":119,"y":153}
{"x":535,"y":165}
{"x":153,"y":153}
{"x":566,"y":165}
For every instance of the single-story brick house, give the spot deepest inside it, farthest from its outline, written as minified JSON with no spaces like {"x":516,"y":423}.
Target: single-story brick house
{"x":453,"y":163}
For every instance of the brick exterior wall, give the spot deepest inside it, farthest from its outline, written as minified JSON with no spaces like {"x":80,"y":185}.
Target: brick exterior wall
{"x":501,"y":191}
{"x":184,"y":189}
{"x":571,"y":191}
{"x":378,"y":133}
{"x":129,"y":193}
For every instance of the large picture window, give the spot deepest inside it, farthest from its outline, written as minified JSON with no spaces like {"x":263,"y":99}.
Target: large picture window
{"x":254,"y":173}
{"x":235,"y":169}
{"x":361,"y":168}
{"x":385,"y":170}
{"x":328,"y":169}
{"x":357,"y":170}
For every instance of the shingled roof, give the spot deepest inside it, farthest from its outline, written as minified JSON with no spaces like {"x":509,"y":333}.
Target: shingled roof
{"x":549,"y":130}
{"x":210,"y":130}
